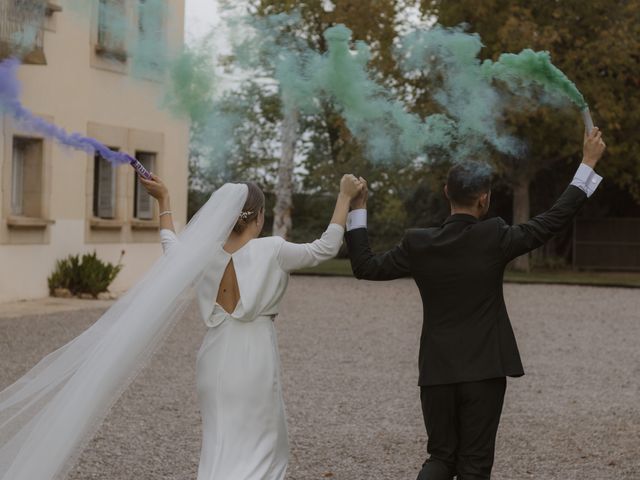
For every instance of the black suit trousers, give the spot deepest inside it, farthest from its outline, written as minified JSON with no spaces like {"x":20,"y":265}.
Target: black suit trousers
{"x":462,"y":422}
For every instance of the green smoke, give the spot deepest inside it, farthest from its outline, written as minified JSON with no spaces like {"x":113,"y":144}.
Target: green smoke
{"x":274,"y":54}
{"x":471,"y":106}
{"x":472,"y":103}
{"x":192,"y":82}
{"x":372,"y":115}
{"x":529,"y":68}
{"x":272,"y":49}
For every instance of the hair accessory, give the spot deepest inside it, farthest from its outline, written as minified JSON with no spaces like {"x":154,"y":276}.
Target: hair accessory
{"x":245,"y":215}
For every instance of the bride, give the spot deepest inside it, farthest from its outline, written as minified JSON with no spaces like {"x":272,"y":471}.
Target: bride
{"x":238,"y":373}
{"x":48,"y":415}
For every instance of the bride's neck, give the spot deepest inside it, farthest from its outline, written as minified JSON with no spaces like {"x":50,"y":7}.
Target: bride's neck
{"x":237,"y":240}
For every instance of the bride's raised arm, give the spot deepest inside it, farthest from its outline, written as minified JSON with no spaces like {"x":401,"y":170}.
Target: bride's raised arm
{"x":291,"y":256}
{"x":294,"y":256}
{"x":158,"y":190}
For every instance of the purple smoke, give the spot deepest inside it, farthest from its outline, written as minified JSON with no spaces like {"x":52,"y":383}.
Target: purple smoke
{"x":10,"y":103}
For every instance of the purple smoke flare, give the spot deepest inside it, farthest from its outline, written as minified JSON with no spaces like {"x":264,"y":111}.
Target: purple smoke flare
{"x":10,"y":103}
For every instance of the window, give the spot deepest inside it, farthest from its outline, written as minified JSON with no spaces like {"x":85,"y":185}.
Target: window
{"x":104,"y":188}
{"x":143,"y":204}
{"x":112,"y":29}
{"x":150,"y":18}
{"x":21,"y":31}
{"x":26,"y":177}
{"x":151,"y":46}
{"x":17,"y":180}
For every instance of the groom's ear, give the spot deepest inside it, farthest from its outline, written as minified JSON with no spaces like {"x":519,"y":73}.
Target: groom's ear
{"x":446,"y":192}
{"x":484,"y":199}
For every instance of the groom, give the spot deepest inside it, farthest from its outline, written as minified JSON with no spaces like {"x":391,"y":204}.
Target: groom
{"x":467,"y":346}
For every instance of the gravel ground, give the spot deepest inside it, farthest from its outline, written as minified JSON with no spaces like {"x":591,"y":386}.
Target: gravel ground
{"x":349,"y":353}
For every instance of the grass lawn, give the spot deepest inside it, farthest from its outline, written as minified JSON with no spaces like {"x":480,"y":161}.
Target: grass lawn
{"x":341,"y":268}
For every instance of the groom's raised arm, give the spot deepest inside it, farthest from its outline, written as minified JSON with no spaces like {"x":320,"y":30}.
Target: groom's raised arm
{"x":520,"y":239}
{"x":367,"y":265}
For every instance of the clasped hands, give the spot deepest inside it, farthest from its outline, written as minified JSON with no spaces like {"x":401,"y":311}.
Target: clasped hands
{"x":355,"y":188}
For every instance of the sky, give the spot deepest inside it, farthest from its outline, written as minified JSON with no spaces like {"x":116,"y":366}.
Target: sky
{"x":201,"y":17}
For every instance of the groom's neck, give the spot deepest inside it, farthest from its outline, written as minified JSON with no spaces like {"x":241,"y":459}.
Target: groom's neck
{"x":466,"y":211}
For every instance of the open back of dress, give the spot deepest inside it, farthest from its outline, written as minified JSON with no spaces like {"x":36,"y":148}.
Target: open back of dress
{"x":229,"y":290}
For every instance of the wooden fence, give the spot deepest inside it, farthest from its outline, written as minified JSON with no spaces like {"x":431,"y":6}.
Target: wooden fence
{"x":607,"y":244}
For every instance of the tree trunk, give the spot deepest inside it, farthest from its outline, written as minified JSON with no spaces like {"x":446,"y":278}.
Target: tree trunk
{"x":284,"y":184}
{"x":521,"y":214}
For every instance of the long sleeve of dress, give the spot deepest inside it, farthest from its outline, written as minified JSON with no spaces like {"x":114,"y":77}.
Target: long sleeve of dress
{"x":294,"y":256}
{"x":168,"y":239}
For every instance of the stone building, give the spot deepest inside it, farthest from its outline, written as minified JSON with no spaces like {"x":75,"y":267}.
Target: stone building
{"x":78,"y":74}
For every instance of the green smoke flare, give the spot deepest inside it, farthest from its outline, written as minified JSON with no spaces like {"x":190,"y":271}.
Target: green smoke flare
{"x":529,"y":67}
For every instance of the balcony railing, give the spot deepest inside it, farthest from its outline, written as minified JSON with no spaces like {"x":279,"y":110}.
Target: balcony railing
{"x":21,"y":29}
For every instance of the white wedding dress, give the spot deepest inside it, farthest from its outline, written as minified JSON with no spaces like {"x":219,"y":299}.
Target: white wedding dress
{"x":238,"y":367}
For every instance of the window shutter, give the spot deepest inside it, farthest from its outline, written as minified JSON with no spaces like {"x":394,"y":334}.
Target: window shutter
{"x":112,"y":24}
{"x":103,"y":27}
{"x":151,"y":36}
{"x":144,"y":203}
{"x":106,"y":189}
{"x":17,"y":178}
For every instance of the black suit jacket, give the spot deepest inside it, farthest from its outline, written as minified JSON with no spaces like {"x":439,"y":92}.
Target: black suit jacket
{"x":458,"y":268}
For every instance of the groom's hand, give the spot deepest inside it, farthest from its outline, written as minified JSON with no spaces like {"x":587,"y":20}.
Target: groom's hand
{"x":593,"y":148}
{"x":361,"y":200}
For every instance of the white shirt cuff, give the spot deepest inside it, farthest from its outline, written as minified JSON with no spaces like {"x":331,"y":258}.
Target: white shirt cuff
{"x":586,"y":179}
{"x":357,"y":219}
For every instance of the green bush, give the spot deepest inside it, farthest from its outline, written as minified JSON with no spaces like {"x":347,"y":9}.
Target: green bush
{"x":88,"y":274}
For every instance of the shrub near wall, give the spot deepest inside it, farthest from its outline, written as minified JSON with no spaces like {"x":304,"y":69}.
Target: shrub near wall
{"x":83,"y":275}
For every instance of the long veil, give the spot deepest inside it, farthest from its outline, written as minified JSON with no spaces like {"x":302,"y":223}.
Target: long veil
{"x":48,"y":415}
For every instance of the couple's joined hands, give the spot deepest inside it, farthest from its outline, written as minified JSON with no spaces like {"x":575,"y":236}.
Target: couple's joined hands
{"x":356,"y":189}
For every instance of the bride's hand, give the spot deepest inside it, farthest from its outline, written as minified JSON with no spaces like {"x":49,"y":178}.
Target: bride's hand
{"x":350,"y":186}
{"x":155,"y":186}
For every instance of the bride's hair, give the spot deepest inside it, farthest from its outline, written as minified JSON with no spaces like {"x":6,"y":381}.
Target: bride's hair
{"x":252,"y":207}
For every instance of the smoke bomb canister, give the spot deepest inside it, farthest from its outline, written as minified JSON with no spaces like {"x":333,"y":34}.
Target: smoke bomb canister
{"x":588,"y":121}
{"x":139,"y":167}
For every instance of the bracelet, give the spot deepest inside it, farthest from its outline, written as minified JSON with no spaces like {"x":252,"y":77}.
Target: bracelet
{"x":164,"y":213}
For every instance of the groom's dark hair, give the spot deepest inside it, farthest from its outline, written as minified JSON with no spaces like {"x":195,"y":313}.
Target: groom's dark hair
{"x":468,"y":180}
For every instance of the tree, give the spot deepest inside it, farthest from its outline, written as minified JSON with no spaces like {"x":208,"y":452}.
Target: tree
{"x":282,"y":222}
{"x":597,"y":44}
{"x":373,"y":22}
